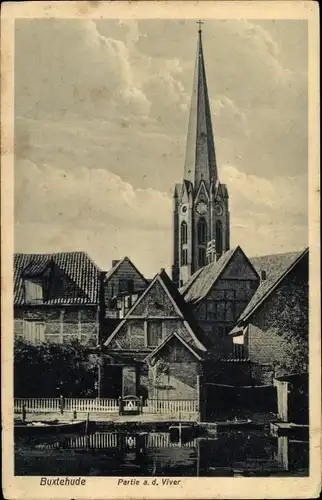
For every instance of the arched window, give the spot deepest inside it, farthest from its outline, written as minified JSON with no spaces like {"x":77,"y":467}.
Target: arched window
{"x":202,"y":231}
{"x":184,"y":233}
{"x":201,"y":256}
{"x":184,"y":257}
{"x":219,"y":246}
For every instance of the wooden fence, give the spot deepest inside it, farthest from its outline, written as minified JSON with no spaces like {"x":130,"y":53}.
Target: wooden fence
{"x":155,"y":406}
{"x":169,"y":406}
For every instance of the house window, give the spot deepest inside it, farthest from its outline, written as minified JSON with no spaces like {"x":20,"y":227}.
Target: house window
{"x":154,"y":334}
{"x":33,"y":292}
{"x":34,"y":331}
{"x":221,"y":331}
{"x":184,"y":233}
{"x":223,"y":308}
{"x":126,"y":286}
{"x":127,"y":302}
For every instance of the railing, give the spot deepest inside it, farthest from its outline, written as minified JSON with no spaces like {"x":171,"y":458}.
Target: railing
{"x":69,"y":404}
{"x":169,"y":406}
{"x":159,"y":406}
{"x":112,"y":440}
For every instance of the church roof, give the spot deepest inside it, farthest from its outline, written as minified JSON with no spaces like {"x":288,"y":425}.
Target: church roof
{"x":201,"y":282}
{"x":81,"y":273}
{"x":200,"y":159}
{"x":276,"y":267}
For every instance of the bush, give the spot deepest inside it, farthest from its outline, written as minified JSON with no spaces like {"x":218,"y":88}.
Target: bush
{"x":48,"y":370}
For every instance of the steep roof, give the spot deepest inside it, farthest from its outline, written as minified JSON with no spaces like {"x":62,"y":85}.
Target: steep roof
{"x":167,"y":340}
{"x":195,"y":335}
{"x":201,"y":282}
{"x":185,"y":309}
{"x":200,"y":158}
{"x":82,"y":273}
{"x":276,"y":267}
{"x":118,"y":264}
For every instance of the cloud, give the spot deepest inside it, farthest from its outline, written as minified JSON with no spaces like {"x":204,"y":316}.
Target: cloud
{"x":267,"y":216}
{"x":101,"y":120}
{"x":86,"y":197}
{"x":75,"y":69}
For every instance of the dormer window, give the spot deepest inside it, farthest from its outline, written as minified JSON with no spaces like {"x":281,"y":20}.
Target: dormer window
{"x":34,"y":292}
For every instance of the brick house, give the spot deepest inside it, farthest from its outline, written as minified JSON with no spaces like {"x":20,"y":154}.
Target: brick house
{"x":272,"y":331}
{"x":157,"y":349}
{"x":56,"y":298}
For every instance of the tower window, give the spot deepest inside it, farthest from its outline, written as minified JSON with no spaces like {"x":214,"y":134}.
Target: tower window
{"x":184,"y":257}
{"x":219,"y":237}
{"x":202,"y":231}
{"x":184,"y":233}
{"x":201,"y":256}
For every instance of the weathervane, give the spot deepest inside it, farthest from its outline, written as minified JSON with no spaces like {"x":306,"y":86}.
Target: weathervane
{"x":200,"y":23}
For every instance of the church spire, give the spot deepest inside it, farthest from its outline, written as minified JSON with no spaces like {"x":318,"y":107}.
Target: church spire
{"x":200,"y":161}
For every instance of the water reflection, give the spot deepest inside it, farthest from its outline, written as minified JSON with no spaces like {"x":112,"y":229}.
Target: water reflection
{"x":234,"y":453}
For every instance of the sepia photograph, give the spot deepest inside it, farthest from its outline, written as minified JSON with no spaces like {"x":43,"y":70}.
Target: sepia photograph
{"x":161,"y":304}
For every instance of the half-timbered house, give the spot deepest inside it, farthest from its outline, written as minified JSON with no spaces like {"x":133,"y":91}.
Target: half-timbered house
{"x":56,"y":298}
{"x":157,"y":349}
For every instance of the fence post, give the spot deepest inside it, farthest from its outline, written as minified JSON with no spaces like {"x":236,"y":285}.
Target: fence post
{"x":141,"y":404}
{"x":120,"y":406}
{"x":24,"y":413}
{"x":61,"y":404}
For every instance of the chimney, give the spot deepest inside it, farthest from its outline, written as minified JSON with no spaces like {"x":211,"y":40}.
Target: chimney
{"x":262,"y":275}
{"x":114,"y":262}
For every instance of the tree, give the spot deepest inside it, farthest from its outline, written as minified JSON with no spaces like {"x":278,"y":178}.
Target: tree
{"x":50,"y":369}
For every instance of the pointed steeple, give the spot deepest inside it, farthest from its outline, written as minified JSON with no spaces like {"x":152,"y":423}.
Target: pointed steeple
{"x":200,"y":161}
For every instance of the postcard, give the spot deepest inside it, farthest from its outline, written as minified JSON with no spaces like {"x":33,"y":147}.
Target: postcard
{"x":160,"y":250}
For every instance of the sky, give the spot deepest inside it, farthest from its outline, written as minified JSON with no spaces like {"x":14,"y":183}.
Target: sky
{"x":101,"y":119}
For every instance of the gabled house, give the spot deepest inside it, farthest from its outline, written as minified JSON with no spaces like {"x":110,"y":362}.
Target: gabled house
{"x":218,"y":293}
{"x":272,"y":331}
{"x":56,"y":298}
{"x":157,"y":349}
{"x":122,"y":285}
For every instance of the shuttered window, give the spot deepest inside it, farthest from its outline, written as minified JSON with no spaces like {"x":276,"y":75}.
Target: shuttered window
{"x":33,"y":292}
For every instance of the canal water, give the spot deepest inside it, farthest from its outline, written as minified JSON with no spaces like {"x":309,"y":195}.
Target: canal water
{"x":230,"y":453}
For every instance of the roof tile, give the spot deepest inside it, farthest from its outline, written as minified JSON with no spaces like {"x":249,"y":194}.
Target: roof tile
{"x":82,"y":273}
{"x":275,"y":266}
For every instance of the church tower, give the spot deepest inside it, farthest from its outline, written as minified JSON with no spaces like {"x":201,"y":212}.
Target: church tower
{"x":200,"y":203}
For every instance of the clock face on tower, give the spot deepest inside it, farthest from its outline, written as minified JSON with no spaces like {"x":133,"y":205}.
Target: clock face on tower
{"x":218,"y":209}
{"x":201,"y":208}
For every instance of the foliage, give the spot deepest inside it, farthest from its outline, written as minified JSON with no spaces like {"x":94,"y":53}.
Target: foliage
{"x":50,"y":369}
{"x":291,"y":324}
